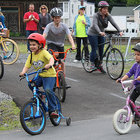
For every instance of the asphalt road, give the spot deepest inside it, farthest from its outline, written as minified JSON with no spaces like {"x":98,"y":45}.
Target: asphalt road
{"x":91,"y":103}
{"x":91,"y":95}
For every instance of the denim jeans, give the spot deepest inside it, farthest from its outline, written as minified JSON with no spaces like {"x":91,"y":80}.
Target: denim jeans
{"x":94,"y":41}
{"x":28,"y":32}
{"x":48,"y":85}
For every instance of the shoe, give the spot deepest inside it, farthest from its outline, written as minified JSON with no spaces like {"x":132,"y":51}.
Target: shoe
{"x":100,"y":67}
{"x":68,"y":86}
{"x":5,"y":57}
{"x":76,"y":61}
{"x":92,"y":67}
{"x":54,"y":115}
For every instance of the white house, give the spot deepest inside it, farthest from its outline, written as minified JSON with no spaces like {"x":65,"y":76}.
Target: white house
{"x":132,"y":16}
{"x":70,"y":10}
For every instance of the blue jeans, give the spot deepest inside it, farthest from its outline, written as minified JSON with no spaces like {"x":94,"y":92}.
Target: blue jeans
{"x":48,"y":85}
{"x":94,"y":41}
{"x":28,"y":32}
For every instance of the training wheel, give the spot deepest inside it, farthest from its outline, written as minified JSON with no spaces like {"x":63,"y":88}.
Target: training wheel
{"x":68,"y":121}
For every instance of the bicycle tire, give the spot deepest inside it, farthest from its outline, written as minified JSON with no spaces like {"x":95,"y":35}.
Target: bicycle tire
{"x":26,"y":118}
{"x":119,"y":122}
{"x":114,"y":64}
{"x":1,"y":68}
{"x":56,"y":121}
{"x":61,"y":90}
{"x":12,"y":51}
{"x":86,"y":62}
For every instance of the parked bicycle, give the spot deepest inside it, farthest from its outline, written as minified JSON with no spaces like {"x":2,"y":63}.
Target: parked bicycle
{"x":35,"y":112}
{"x":9,"y":50}
{"x":123,"y":118}
{"x":114,"y":59}
{"x":1,"y":68}
{"x":60,"y":88}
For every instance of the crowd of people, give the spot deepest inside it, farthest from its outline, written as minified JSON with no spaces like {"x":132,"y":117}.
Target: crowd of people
{"x":53,"y":31}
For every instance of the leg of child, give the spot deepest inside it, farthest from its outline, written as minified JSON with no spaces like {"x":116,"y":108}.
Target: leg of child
{"x":48,"y":85}
{"x":135,"y":94}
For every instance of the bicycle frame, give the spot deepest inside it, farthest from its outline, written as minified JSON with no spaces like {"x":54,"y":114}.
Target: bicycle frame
{"x":127,"y":107}
{"x":58,"y":67}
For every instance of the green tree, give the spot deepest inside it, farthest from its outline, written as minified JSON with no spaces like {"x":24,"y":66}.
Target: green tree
{"x":133,"y":2}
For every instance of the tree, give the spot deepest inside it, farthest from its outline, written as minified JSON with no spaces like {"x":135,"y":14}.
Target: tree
{"x":133,"y":2}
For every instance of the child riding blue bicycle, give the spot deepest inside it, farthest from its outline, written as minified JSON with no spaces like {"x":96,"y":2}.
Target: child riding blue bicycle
{"x":40,"y":58}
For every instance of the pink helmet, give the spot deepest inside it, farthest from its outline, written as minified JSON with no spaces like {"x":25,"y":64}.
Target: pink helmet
{"x":103,"y":4}
{"x":38,"y":37}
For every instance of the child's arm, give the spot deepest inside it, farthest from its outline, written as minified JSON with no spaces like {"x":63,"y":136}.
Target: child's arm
{"x":25,"y":69}
{"x":71,"y":41}
{"x":122,"y":79}
{"x":50,"y":64}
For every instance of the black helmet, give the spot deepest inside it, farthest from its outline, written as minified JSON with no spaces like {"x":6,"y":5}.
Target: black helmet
{"x":56,"y":12}
{"x":103,"y":4}
{"x":137,"y":47}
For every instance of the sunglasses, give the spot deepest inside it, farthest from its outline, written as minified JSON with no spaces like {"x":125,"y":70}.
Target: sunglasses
{"x":43,"y":8}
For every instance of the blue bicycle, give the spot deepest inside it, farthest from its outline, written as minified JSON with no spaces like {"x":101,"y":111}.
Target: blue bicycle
{"x":35,"y":112}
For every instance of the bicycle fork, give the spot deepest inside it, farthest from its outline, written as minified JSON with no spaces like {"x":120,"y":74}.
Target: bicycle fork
{"x":37,"y":103}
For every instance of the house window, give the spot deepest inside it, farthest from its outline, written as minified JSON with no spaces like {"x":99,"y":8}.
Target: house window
{"x":72,"y":8}
{"x":90,"y":10}
{"x":66,"y":7}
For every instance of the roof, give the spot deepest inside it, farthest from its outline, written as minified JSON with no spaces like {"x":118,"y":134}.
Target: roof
{"x":122,"y":11}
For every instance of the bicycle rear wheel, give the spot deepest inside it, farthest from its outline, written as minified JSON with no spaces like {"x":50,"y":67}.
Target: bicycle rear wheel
{"x":86,"y":62}
{"x":1,"y":68}
{"x":61,"y":90}
{"x":10,"y":51}
{"x":114,"y":64}
{"x":56,"y":121}
{"x":33,"y":122}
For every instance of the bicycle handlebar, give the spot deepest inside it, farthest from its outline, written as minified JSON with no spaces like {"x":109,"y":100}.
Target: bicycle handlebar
{"x":57,"y":59}
{"x":127,"y":88}
{"x":26,"y":75}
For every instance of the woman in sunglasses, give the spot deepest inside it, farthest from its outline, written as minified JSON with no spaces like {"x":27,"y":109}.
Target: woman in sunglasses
{"x":44,"y":18}
{"x":80,"y":27}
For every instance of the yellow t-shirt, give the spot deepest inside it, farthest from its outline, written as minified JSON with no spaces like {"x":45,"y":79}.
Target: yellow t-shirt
{"x":39,"y":61}
{"x":80,"y":27}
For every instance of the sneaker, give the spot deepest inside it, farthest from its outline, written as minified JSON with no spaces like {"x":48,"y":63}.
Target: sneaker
{"x":100,"y":67}
{"x":67,"y":86}
{"x":76,"y":61}
{"x":5,"y":57}
{"x":54,"y":115}
{"x":92,"y":67}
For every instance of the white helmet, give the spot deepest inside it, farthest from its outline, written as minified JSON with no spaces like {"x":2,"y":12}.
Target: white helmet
{"x":56,"y":12}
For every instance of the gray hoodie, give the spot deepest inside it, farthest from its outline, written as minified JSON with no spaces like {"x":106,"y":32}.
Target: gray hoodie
{"x":97,"y":26}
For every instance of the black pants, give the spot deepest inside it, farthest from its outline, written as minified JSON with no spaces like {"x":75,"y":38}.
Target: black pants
{"x":135,"y":94}
{"x":85,"y":43}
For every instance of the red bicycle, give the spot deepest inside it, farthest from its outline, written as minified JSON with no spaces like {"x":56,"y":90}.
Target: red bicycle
{"x":60,"y":88}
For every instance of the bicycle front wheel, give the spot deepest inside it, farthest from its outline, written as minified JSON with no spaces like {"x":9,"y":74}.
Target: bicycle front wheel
{"x":86,"y":62}
{"x":114,"y":64}
{"x":120,"y":123}
{"x":32,"y":121}
{"x":10,"y":51}
{"x":61,"y":90}
{"x":1,"y":68}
